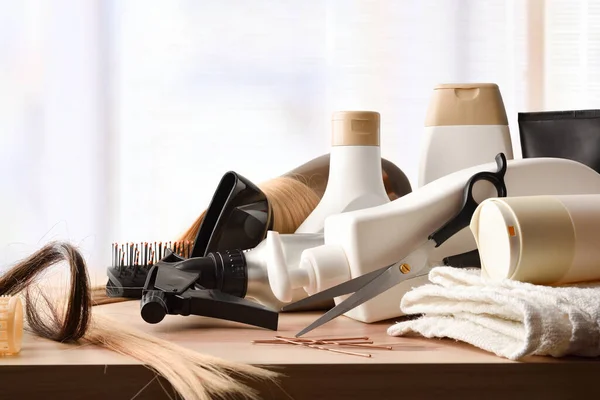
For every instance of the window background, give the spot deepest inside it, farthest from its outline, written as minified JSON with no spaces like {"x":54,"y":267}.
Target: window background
{"x":117,"y":119}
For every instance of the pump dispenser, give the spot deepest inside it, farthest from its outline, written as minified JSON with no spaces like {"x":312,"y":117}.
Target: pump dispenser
{"x":466,"y":125}
{"x":354,"y":171}
{"x":310,"y":276}
{"x":276,"y":257}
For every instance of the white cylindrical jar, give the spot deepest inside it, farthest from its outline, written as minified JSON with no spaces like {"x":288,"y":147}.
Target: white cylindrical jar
{"x":544,"y":240}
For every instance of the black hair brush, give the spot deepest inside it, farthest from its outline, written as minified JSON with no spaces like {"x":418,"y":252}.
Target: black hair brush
{"x":132,"y":261}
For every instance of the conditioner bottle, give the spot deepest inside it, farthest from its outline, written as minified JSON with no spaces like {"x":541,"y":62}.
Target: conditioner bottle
{"x":466,"y":125}
{"x":355,"y":173}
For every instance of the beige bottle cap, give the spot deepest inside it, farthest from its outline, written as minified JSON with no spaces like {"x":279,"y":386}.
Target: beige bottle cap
{"x":529,"y":239}
{"x":11,"y":325}
{"x":466,"y":104}
{"x":355,"y":128}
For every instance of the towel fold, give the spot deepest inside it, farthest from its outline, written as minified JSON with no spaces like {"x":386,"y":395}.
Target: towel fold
{"x":508,"y":318}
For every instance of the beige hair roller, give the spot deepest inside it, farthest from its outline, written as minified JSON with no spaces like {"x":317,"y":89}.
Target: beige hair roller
{"x":11,"y":325}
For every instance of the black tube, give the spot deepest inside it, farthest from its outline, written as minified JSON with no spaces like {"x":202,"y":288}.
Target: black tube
{"x":574,"y":135}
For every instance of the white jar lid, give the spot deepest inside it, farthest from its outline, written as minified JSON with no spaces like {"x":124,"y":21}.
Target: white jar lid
{"x":499,"y":240}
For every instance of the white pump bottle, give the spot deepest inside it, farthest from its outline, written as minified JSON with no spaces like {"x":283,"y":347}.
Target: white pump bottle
{"x":466,"y":125}
{"x":362,"y":241}
{"x":354,"y":171}
{"x":284,"y":250}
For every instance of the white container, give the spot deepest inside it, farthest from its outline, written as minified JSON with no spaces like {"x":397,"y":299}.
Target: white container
{"x":362,"y":241}
{"x":285,"y":250}
{"x":354,"y":170}
{"x":466,"y":125}
{"x":545,"y":240}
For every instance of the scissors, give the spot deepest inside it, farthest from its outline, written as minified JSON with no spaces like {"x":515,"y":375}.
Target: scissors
{"x":415,"y":264}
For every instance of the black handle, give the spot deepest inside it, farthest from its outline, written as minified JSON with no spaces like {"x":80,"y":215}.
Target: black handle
{"x":153,"y":306}
{"x":469,"y":259}
{"x":463,"y":218}
{"x":216,"y":304}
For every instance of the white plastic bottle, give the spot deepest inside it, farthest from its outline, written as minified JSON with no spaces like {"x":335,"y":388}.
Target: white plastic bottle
{"x":284,"y":250}
{"x":544,"y":240}
{"x":466,"y":125}
{"x":362,"y":241}
{"x":354,"y":171}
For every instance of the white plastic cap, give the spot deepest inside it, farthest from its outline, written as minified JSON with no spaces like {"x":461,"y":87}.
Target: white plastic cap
{"x":320,"y":268}
{"x":282,"y":280}
{"x":498,"y":240}
{"x":326,"y":266}
{"x":279,"y":278}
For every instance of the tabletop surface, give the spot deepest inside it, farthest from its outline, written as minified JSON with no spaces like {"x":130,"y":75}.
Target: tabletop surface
{"x":233,"y":341}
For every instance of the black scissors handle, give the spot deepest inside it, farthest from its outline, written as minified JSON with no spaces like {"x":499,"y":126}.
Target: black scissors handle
{"x":463,"y":218}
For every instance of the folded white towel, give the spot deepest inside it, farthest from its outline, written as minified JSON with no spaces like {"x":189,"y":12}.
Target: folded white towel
{"x":509,"y":318}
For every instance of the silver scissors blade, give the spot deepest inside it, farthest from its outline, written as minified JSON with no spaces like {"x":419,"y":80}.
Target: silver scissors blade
{"x":384,"y":279}
{"x":347,"y":287}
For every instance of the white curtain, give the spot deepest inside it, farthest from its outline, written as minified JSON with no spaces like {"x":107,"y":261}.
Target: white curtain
{"x":118,"y":118}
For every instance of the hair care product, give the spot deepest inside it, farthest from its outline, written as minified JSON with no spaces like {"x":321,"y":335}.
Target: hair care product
{"x":466,"y":125}
{"x":276,"y":252}
{"x":574,"y":135}
{"x":544,"y":240}
{"x":354,"y":171}
{"x":362,"y":241}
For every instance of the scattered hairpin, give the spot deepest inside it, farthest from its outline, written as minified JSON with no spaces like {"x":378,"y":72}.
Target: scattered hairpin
{"x":319,"y":344}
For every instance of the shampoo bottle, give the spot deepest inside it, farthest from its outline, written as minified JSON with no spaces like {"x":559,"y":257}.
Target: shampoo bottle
{"x":544,"y":240}
{"x":362,"y":241}
{"x":354,"y":170}
{"x":466,"y":125}
{"x":316,"y":174}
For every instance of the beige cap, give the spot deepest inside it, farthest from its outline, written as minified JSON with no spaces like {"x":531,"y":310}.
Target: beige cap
{"x":466,"y":104}
{"x":355,"y":128}
{"x":528,"y":239}
{"x":11,"y":325}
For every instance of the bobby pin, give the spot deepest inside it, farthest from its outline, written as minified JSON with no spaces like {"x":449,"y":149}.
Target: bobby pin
{"x":362,"y":342}
{"x":313,"y":346}
{"x":278,"y":341}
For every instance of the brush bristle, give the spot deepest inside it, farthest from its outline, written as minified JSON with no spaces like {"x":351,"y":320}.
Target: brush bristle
{"x":146,"y":254}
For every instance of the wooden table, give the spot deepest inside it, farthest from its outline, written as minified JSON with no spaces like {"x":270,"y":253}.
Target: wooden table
{"x":416,"y":369}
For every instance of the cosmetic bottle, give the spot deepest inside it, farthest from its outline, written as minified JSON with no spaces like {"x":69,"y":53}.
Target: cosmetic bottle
{"x":365,"y":240}
{"x":315,"y":173}
{"x":465,"y":125}
{"x":574,"y":135}
{"x":354,"y":170}
{"x":544,"y":240}
{"x":284,"y":250}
